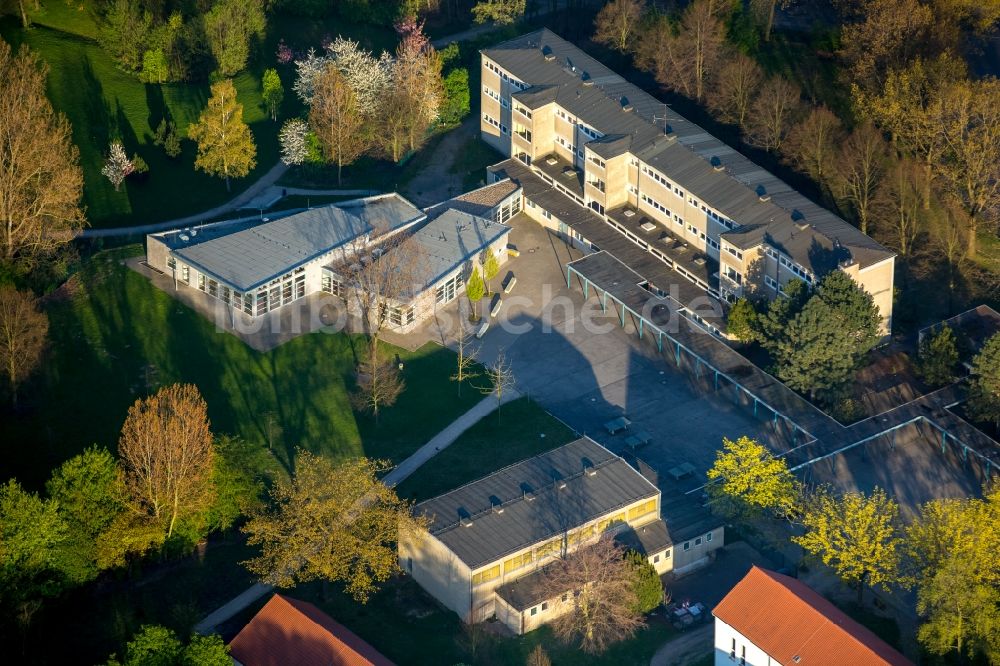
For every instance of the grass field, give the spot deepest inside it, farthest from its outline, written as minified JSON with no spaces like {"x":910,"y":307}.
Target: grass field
{"x":115,"y":337}
{"x":104,"y":103}
{"x":524,"y":430}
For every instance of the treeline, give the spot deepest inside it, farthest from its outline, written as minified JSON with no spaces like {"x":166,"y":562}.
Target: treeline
{"x":947,"y":552}
{"x":915,"y":158}
{"x":359,"y":103}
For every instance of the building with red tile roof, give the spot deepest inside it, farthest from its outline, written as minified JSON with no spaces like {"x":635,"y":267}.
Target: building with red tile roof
{"x":289,"y":632}
{"x":771,"y":619}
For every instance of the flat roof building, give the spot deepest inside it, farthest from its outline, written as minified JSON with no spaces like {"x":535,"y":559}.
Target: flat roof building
{"x":487,"y":540}
{"x":630,"y":162}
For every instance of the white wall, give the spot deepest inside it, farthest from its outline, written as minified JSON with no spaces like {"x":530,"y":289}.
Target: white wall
{"x":724,"y":637}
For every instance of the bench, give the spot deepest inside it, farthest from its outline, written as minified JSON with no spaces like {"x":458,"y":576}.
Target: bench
{"x":681,"y":471}
{"x":482,"y":330}
{"x":512,"y":251}
{"x":509,"y":283}
{"x":617,"y":425}
{"x":497,"y":302}
{"x":638,"y":440}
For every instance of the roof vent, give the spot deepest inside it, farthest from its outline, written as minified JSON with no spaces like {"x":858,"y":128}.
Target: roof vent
{"x":184,"y":238}
{"x":464,"y":516}
{"x":588,"y":466}
{"x":716,"y":163}
{"x":527,"y":491}
{"x":626,"y":105}
{"x":557,"y":478}
{"x":547,"y":53}
{"x":496,"y":504}
{"x":587,"y":81}
{"x":628,"y":212}
{"x":762,"y":193}
{"x":570,"y":65}
{"x":797,"y":215}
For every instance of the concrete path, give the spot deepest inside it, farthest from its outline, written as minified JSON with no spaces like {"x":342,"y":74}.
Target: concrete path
{"x":438,"y":443}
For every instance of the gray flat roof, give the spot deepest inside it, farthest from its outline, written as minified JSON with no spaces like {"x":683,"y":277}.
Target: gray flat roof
{"x":805,"y":231}
{"x":452,"y":238}
{"x":561,"y":496}
{"x":250,"y":256}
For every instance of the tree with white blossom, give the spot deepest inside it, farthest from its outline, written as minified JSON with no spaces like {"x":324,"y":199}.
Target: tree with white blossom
{"x":293,"y":139}
{"x":369,"y":77}
{"x":307,"y":69}
{"x":118,"y":166}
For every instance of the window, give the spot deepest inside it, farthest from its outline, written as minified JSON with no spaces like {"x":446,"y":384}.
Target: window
{"x":666,"y":554}
{"x":446,"y":292}
{"x":551,"y":548}
{"x":641,"y":510}
{"x":708,"y":537}
{"x":399,"y":316}
{"x":201,"y":281}
{"x":171,"y":262}
{"x":486,"y":575}
{"x":545,"y":605}
{"x":687,"y":545}
{"x":517,"y":562}
{"x":597,"y":160}
{"x":656,"y":559}
{"x":769,"y":281}
{"x":534,"y":611}
{"x":733,"y":275}
{"x":565,"y":597}
{"x":185,"y":273}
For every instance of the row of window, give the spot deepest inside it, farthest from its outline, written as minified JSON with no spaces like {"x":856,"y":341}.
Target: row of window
{"x":790,"y":265}
{"x":490,"y":120}
{"x":496,"y":96}
{"x":523,"y":111}
{"x":596,"y":160}
{"x":658,"y":177}
{"x":506,"y":77}
{"x":446,"y":292}
{"x":733,"y":251}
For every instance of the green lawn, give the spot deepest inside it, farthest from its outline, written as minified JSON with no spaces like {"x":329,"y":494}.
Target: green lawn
{"x":116,"y":336}
{"x":524,"y":430}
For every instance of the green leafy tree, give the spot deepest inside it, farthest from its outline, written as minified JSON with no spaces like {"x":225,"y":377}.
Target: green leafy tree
{"x":823,"y":345}
{"x":236,"y":487}
{"x":962,"y":615}
{"x":646,"y":583}
{"x":455,"y":105}
{"x":229,"y":27}
{"x":984,"y":384}
{"x":491,"y":267}
{"x":272,"y":92}
{"x":90,"y":495}
{"x":334,"y":521}
{"x":938,"y":357}
{"x":475,"y":289}
{"x":774,"y":322}
{"x":123,"y":29}
{"x":154,"y":645}
{"x":206,"y":651}
{"x":855,"y":535}
{"x":741,"y":322}
{"x":501,"y":12}
{"x":225,"y":144}
{"x":154,"y":66}
{"x":750,"y":480}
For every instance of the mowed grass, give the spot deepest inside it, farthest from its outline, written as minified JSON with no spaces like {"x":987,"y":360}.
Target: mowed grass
{"x":116,"y":338}
{"x":523,"y":430}
{"x":104,"y":103}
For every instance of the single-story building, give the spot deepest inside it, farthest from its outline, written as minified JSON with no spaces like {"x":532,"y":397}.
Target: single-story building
{"x":488,"y":540}
{"x":289,"y":632}
{"x":254,"y":267}
{"x":770,"y":619}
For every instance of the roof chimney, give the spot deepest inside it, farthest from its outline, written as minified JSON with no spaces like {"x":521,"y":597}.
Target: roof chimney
{"x":626,"y":105}
{"x":528,"y":491}
{"x":496,"y":504}
{"x":762,"y":193}
{"x":588,"y":466}
{"x":464,"y":516}
{"x":547,"y":53}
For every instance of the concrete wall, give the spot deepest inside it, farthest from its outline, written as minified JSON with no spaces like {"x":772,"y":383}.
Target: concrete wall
{"x":877,"y":280}
{"x":697,"y":554}
{"x":729,"y":641}
{"x":438,"y":571}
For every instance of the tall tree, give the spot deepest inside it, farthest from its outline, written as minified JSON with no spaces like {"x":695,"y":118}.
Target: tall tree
{"x":417,"y":82}
{"x":336,"y":119}
{"x":750,"y":480}
{"x":811,"y":144}
{"x":617,"y":23}
{"x":272,"y":92}
{"x":646,"y":583}
{"x":40,"y":178}
{"x":225,"y":144}
{"x":735,"y":87}
{"x":24,"y":329}
{"x":124,"y":27}
{"x":897,"y":207}
{"x":938,"y":357}
{"x":475,"y":289}
{"x":501,"y":12}
{"x":856,"y":535}
{"x":984,"y":383}
{"x":860,"y":167}
{"x":889,"y":37}
{"x":166,"y":454}
{"x":741,"y":322}
{"x":599,"y":583}
{"x":971,"y":165}
{"x":772,"y":112}
{"x":229,"y":27}
{"x":500,"y":374}
{"x":465,"y":357}
{"x":763,"y":13}
{"x":334,"y":521}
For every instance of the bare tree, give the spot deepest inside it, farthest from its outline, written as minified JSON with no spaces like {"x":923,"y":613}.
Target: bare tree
{"x":597,"y":581}
{"x":465,"y":366}
{"x":812,"y":144}
{"x":538,"y":657}
{"x":383,"y":277}
{"x":501,"y":376}
{"x":971,"y":165}
{"x":617,"y":23}
{"x":949,"y":227}
{"x":734,"y":88}
{"x":684,"y":58}
{"x":336,"y":118}
{"x":897,"y":205}
{"x":772,"y":113}
{"x":861,"y":162}
{"x":40,"y":178}
{"x":763,"y":11}
{"x":24,"y":329}
{"x":166,"y":453}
